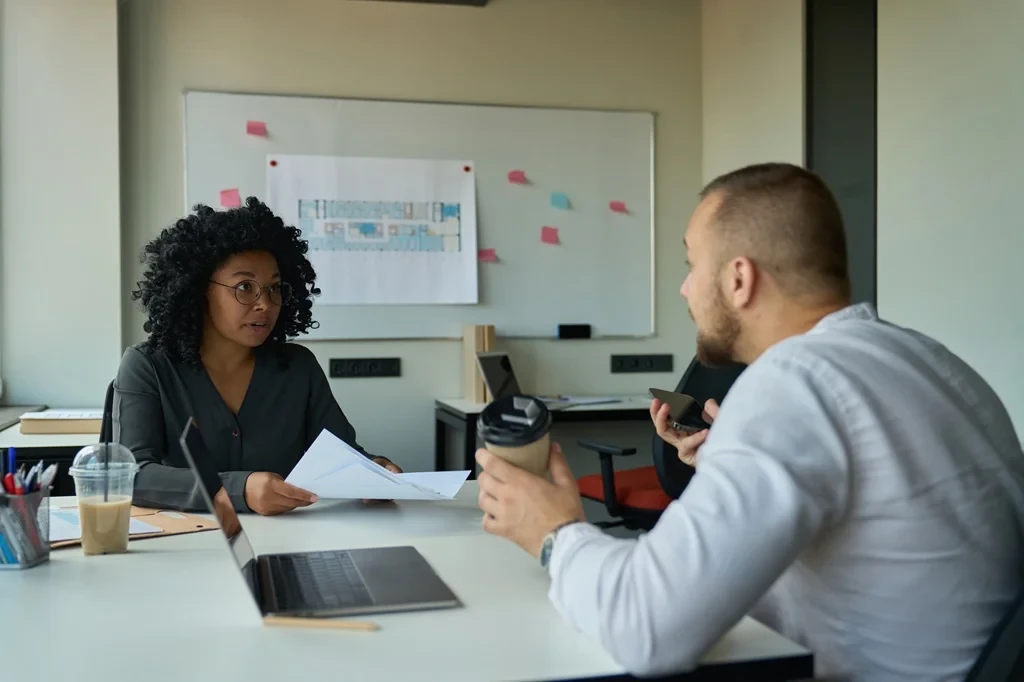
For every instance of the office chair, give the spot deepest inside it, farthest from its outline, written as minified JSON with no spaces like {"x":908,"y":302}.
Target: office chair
{"x":636,"y":497}
{"x":1002,"y":659}
{"x":107,"y":424}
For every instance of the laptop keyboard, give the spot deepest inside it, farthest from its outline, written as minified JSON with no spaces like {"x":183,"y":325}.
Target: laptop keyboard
{"x":323,"y":580}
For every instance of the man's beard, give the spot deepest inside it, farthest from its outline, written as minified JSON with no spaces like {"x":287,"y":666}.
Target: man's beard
{"x":716,"y":345}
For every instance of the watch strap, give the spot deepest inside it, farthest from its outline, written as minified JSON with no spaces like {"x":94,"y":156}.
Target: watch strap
{"x":549,"y":543}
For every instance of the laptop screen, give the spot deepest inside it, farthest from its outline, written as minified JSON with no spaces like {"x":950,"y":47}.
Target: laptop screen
{"x":209,"y":484}
{"x":496,"y":369}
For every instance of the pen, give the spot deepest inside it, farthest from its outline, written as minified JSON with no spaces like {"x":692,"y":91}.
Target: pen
{"x":10,"y":460}
{"x":9,"y":484}
{"x":46,"y":478}
{"x":32,"y":478}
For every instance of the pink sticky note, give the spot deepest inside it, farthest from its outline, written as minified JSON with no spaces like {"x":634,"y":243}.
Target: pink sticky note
{"x":549,"y":235}
{"x":517,"y":177}
{"x":258,"y":128}
{"x":230,"y":198}
{"x":618,"y":206}
{"x":488,"y":256}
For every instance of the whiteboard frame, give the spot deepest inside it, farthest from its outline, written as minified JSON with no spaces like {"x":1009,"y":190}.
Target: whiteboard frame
{"x":652,"y":330}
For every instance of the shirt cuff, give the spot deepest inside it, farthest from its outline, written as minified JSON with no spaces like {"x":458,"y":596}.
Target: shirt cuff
{"x":234,"y":483}
{"x":567,"y":540}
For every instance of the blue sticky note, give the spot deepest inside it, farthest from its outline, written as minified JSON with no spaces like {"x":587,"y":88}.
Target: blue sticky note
{"x":560,"y":200}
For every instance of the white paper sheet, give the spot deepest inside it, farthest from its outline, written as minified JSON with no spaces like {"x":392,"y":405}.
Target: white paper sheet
{"x":382,"y":231}
{"x":332,"y":469}
{"x":65,"y":525}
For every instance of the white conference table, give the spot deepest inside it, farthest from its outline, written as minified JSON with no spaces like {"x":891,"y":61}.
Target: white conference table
{"x":176,"y":608}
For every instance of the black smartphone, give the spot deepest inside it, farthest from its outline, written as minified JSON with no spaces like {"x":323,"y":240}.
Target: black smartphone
{"x":684,"y":413}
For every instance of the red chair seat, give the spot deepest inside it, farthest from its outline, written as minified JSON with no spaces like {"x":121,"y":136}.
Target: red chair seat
{"x":636,"y":488}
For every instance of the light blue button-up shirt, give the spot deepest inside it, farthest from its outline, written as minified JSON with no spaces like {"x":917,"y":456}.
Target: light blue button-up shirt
{"x":861,"y":492}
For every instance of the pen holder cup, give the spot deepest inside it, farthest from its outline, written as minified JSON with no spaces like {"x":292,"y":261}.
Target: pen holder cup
{"x":24,"y":529}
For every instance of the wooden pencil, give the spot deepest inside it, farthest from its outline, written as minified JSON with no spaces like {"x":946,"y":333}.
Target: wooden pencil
{"x":322,"y":623}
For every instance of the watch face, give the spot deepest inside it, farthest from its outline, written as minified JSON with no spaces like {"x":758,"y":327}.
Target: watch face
{"x":545,"y":550}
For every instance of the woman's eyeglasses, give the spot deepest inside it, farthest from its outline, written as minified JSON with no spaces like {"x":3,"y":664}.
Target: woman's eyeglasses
{"x":249,"y":291}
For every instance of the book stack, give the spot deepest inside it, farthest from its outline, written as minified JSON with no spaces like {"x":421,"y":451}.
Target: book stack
{"x":62,"y":421}
{"x":475,"y":338}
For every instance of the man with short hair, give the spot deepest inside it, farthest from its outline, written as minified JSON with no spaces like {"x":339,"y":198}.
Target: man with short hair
{"x":861,"y":490}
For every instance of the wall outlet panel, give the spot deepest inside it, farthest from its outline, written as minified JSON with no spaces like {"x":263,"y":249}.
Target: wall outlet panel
{"x":364,"y":368}
{"x":631,"y":364}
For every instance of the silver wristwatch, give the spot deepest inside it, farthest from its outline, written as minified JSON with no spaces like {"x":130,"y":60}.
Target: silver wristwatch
{"x":549,"y":544}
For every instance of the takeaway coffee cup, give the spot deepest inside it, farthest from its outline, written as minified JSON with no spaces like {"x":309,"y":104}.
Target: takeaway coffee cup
{"x":104,"y":476}
{"x":515,"y":428}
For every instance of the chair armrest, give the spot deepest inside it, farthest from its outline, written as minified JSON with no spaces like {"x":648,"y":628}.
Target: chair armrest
{"x":604,"y":449}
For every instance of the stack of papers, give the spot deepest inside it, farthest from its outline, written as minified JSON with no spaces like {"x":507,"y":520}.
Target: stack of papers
{"x":334,"y":470}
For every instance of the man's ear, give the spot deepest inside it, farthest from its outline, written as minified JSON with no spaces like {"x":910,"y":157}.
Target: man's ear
{"x":741,"y":281}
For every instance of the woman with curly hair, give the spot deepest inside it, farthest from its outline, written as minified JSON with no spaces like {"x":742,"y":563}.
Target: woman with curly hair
{"x":223,"y":292}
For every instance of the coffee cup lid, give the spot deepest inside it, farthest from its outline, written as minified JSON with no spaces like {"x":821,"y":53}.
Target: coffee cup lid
{"x":514,"y":421}
{"x":102,"y":459}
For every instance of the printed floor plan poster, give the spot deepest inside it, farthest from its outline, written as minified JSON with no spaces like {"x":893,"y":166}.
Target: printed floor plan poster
{"x":382,"y":231}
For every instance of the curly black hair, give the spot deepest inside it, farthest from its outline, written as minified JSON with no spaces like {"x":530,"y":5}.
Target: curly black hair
{"x":180,"y":262}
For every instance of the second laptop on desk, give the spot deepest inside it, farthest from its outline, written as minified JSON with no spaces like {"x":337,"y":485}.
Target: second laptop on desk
{"x":328,"y":583}
{"x":500,"y":379}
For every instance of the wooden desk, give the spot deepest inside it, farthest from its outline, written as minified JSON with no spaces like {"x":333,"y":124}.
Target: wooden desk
{"x":458,"y":414}
{"x":176,"y":608}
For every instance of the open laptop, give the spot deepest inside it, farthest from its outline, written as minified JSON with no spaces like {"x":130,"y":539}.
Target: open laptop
{"x":500,"y":379}
{"x":322,"y":584}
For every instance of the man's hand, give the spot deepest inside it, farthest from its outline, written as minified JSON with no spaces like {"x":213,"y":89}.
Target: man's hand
{"x":685,"y":443}
{"x":268,"y":494}
{"x":225,"y":512}
{"x":390,"y":466}
{"x":523,"y":507}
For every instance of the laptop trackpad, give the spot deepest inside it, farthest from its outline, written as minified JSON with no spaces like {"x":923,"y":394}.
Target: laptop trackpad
{"x":400,"y":576}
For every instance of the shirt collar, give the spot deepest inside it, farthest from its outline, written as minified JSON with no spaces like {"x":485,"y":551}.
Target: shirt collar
{"x":856,"y":311}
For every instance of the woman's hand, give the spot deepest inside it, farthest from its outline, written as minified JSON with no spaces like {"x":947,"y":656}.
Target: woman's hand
{"x":390,"y":466}
{"x":268,"y":494}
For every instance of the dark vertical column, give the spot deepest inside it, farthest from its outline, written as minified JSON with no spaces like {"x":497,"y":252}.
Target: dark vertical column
{"x":841,"y":121}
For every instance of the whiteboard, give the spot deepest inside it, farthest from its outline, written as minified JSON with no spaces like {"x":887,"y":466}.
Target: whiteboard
{"x":600,"y":273}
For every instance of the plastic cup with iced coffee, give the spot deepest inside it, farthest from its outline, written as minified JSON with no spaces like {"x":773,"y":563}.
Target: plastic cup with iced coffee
{"x":515,"y":428}
{"x":104,"y":476}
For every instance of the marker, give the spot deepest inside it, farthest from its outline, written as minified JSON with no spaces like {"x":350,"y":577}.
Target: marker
{"x":9,"y":484}
{"x":10,"y":460}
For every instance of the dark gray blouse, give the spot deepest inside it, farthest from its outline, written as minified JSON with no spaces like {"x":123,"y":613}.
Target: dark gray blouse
{"x":283,"y":412}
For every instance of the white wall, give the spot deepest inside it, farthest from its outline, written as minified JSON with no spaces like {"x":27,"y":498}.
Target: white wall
{"x":752,"y":77}
{"x":950,"y":145}
{"x":60,"y":239}
{"x":579,"y":53}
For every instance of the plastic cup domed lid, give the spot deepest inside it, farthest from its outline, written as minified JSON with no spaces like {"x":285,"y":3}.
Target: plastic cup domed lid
{"x":103,"y":459}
